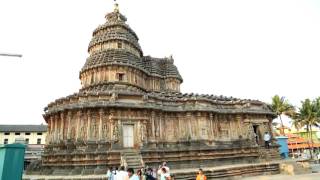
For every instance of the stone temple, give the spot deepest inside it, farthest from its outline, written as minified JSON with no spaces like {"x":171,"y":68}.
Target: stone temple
{"x":130,"y":111}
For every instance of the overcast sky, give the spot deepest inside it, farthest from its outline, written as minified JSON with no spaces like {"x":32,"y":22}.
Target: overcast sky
{"x":247,"y":49}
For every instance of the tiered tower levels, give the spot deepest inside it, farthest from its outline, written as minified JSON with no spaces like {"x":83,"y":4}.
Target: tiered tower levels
{"x":116,"y":60}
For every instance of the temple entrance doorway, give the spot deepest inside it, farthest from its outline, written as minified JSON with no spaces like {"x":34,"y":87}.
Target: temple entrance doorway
{"x":256,"y":133}
{"x":128,"y":136}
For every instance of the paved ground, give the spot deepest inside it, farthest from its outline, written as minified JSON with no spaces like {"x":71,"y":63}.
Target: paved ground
{"x":313,"y":176}
{"x":316,"y":167}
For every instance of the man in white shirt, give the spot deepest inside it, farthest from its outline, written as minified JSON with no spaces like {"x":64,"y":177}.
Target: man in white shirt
{"x":122,"y":174}
{"x":266,"y":139}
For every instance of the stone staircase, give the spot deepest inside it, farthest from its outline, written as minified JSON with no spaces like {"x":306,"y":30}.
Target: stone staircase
{"x":132,"y":159}
{"x":269,"y":154}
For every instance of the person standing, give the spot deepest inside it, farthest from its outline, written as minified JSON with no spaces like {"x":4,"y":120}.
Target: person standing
{"x":149,"y":174}
{"x":201,"y":176}
{"x":114,"y":173}
{"x":122,"y":174}
{"x":140,"y":174}
{"x":256,"y":138}
{"x":266,"y":139}
{"x":110,"y":174}
{"x":165,"y":175}
{"x":164,"y":165}
{"x":131,"y":175}
{"x":154,"y":173}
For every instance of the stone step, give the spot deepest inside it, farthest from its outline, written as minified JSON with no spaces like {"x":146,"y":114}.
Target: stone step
{"x":137,"y":155}
{"x":132,"y":157}
{"x":133,"y":160}
{"x":135,"y":167}
{"x":230,"y":173}
{"x":60,"y":172}
{"x":130,"y":152}
{"x":134,"y":164}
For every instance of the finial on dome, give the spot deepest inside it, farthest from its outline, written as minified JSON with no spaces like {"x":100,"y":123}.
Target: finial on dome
{"x":116,"y":6}
{"x":115,"y":16}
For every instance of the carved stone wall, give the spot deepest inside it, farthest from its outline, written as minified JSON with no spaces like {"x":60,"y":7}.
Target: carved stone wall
{"x":152,"y":126}
{"x":132,"y":76}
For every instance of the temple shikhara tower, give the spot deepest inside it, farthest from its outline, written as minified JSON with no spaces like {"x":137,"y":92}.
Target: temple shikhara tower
{"x":130,"y":111}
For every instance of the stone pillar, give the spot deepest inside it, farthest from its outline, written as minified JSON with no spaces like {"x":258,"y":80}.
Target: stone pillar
{"x":238,"y":126}
{"x":232,"y":130}
{"x":95,"y":76}
{"x":211,"y":135}
{"x":101,"y":114}
{"x":52,"y":130}
{"x":104,"y":74}
{"x":189,"y":125}
{"x":272,"y":134}
{"x":128,"y":75}
{"x":88,"y":125}
{"x":199,"y":129}
{"x":78,"y":124}
{"x":109,"y":74}
{"x":69,"y":124}
{"x":99,"y":75}
{"x":178,"y":133}
{"x":62,"y":116}
{"x":56,"y":128}
{"x":160,"y":126}
{"x":144,"y":133}
{"x":153,"y":114}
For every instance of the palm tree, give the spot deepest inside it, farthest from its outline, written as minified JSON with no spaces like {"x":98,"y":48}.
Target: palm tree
{"x":308,"y":116}
{"x":281,"y":106}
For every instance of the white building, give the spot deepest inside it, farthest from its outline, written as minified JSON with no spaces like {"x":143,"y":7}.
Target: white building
{"x":34,"y":136}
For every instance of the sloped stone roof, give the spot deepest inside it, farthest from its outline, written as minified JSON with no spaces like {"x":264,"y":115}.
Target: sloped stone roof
{"x":163,"y":101}
{"x":161,"y":67}
{"x":23,"y":128}
{"x":116,"y":35}
{"x":113,"y":56}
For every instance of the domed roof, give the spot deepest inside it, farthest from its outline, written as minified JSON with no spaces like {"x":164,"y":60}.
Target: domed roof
{"x":115,"y":28}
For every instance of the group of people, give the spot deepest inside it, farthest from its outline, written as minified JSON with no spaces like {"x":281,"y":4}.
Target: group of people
{"x":163,"y":173}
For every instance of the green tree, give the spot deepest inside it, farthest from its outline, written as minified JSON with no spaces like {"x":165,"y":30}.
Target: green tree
{"x":308,"y":116}
{"x":281,"y":106}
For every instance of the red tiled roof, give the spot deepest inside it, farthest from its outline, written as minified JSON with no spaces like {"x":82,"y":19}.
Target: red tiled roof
{"x":303,"y":146}
{"x":297,"y":142}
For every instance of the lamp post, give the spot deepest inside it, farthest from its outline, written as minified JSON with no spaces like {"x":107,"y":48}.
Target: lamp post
{"x":11,"y":55}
